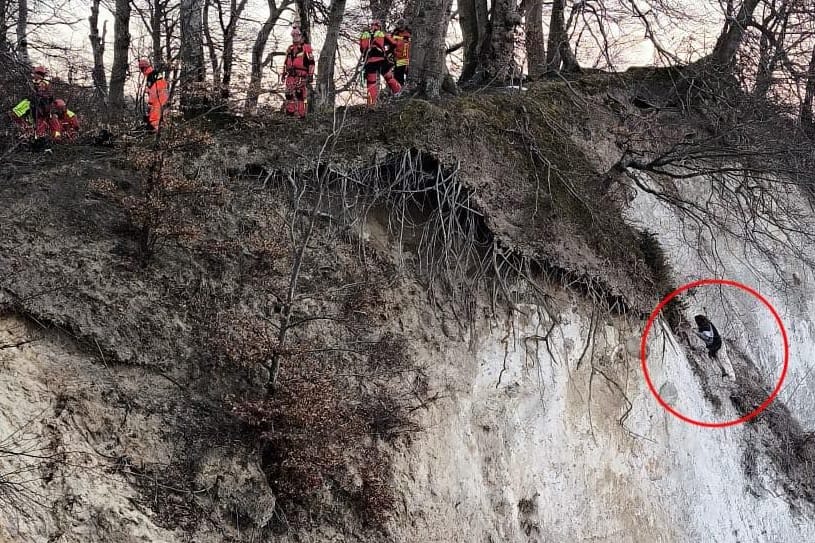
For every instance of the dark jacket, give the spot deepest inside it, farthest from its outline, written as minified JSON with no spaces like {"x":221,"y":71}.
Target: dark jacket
{"x":709,"y":334}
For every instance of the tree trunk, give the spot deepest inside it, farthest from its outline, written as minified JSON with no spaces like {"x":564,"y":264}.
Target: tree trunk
{"x":474,"y":22}
{"x":228,"y":61}
{"x":809,"y":95}
{"x":771,"y":47}
{"x":169,"y":29}
{"x":559,"y":54}
{"x":430,"y":19}
{"x":98,"y":48}
{"x":764,"y":70}
{"x":497,"y":59}
{"x":535,"y":41}
{"x":256,"y":75}
{"x":121,"y":44}
{"x":3,"y":25}
{"x":729,"y":42}
{"x":156,"y":17}
{"x":328,"y":55}
{"x":193,"y":70}
{"x":210,"y":43}
{"x":235,"y":12}
{"x":22,"y":30}
{"x":303,"y":11}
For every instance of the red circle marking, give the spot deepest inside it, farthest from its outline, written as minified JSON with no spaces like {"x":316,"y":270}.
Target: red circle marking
{"x":655,"y":314}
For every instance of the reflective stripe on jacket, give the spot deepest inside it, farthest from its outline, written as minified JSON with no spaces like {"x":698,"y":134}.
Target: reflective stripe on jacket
{"x":69,"y":121}
{"x":374,"y":46}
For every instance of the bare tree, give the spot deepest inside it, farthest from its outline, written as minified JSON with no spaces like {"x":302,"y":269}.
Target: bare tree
{"x":156,"y":16}
{"x":236,"y":9}
{"x":304,"y":8}
{"x":809,"y":93}
{"x":210,"y":44}
{"x":222,"y":70}
{"x":161,"y":19}
{"x":4,"y":24}
{"x":258,"y":50}
{"x":121,"y":45}
{"x":498,"y":59}
{"x":430,"y":19}
{"x":193,"y":68}
{"x":559,"y":54}
{"x":535,"y":42}
{"x":98,"y":47}
{"x":22,"y":31}
{"x":766,"y":64}
{"x":328,"y":55}
{"x":473,"y":18}
{"x":732,"y":34}
{"x":489,"y":40}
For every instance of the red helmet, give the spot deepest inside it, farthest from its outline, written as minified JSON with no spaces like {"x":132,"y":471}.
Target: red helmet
{"x":143,"y":64}
{"x":376,"y":23}
{"x":59,"y":104}
{"x":296,"y":34}
{"x":39,"y":70}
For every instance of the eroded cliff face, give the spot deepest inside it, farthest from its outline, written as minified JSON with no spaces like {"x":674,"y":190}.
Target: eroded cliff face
{"x":60,"y":477}
{"x":79,"y":438}
{"x":767,"y":257}
{"x":543,"y":432}
{"x":560,"y":440}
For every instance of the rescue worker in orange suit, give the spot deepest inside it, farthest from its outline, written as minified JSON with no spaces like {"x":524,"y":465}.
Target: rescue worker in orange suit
{"x":401,"y":51}
{"x":64,"y":123}
{"x":298,"y":71}
{"x":29,"y":124}
{"x":41,"y":102}
{"x":156,"y":94}
{"x":374,"y":45}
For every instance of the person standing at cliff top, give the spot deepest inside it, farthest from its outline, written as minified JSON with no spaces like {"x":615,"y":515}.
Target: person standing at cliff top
{"x":156,"y":94}
{"x":374,"y":45}
{"x":298,"y":72}
{"x":401,"y":51}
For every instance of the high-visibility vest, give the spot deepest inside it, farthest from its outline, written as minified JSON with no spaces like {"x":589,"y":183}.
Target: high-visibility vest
{"x":372,"y":45}
{"x":402,"y":48}
{"x":22,"y":108}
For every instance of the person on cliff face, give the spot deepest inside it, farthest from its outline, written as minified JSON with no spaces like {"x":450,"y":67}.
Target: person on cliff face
{"x":713,"y":341}
{"x":708,"y":333}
